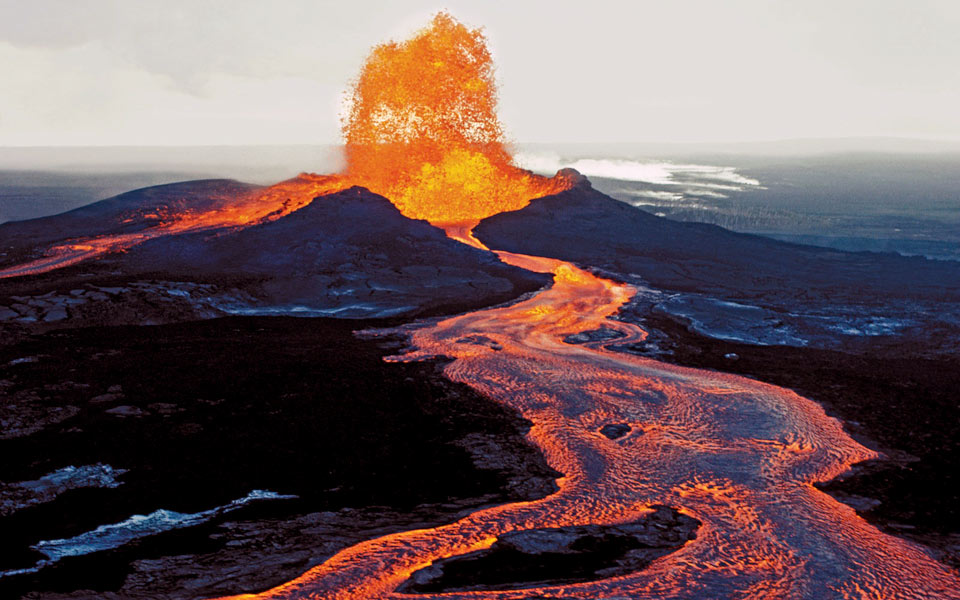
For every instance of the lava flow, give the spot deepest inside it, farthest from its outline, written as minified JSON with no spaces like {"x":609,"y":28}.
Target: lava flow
{"x":232,"y":212}
{"x":738,"y":455}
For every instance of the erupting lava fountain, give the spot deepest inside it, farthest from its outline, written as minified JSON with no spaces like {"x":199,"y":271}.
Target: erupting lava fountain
{"x":422,"y":130}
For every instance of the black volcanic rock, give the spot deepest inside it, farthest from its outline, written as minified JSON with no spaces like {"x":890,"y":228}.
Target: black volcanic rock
{"x":615,"y":430}
{"x":585,"y":226}
{"x":556,"y":555}
{"x":215,"y":409}
{"x":348,"y":254}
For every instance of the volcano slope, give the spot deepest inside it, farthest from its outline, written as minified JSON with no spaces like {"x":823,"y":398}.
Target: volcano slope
{"x":346,"y":254}
{"x":127,"y":213}
{"x":584,"y":226}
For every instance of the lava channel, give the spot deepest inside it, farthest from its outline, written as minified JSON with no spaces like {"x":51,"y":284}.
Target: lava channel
{"x":738,"y":455}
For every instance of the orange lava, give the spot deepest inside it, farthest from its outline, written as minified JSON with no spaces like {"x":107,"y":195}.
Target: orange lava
{"x":739,"y":455}
{"x":256,"y":207}
{"x":422,"y":129}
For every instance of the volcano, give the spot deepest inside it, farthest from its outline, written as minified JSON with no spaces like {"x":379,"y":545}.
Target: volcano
{"x":438,"y":373}
{"x":353,"y":254}
{"x":350,"y":253}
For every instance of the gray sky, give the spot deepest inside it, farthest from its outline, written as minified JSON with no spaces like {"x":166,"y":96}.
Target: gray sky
{"x":77,"y":72}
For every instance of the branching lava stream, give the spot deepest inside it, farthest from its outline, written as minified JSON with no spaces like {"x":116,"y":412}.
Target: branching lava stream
{"x":739,"y":455}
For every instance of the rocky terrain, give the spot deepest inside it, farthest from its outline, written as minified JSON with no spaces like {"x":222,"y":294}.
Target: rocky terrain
{"x":251,"y":447}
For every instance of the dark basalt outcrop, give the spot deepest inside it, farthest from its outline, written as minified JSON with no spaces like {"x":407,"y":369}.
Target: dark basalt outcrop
{"x":615,"y":431}
{"x":557,"y":555}
{"x":596,"y":335}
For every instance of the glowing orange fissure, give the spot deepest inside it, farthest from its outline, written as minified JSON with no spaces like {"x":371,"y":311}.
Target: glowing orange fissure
{"x":235,"y":212}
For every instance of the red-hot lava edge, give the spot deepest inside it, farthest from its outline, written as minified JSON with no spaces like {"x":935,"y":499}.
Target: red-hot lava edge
{"x":739,"y":455}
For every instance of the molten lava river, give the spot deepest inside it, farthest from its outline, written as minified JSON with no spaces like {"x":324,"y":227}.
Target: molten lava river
{"x":739,"y":455}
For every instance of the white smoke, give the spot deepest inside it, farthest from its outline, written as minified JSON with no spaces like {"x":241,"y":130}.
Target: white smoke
{"x":654,"y":195}
{"x":690,"y":178}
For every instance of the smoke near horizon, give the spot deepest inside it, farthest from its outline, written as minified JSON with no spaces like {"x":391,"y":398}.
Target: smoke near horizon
{"x":651,"y":171}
